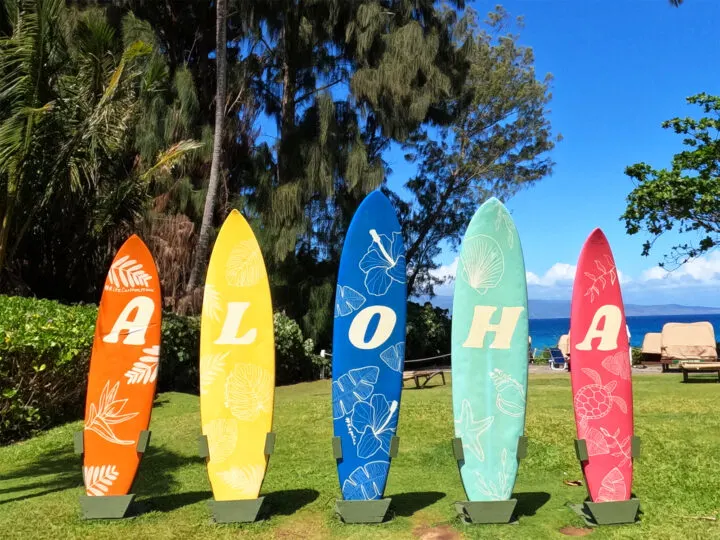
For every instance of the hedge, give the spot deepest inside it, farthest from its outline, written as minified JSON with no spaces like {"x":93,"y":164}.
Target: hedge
{"x":45,"y":349}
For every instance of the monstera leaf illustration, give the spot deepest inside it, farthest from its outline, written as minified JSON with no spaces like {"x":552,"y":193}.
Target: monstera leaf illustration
{"x":347,"y":301}
{"x":365,"y":483}
{"x":393,"y":356}
{"x":356,"y":385}
{"x":383,"y":263}
{"x":376,"y":422}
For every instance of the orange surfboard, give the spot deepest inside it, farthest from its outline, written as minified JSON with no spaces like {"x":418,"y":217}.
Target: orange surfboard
{"x":123,"y":371}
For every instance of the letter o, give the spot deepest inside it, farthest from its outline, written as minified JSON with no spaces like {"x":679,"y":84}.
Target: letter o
{"x":360,"y":324}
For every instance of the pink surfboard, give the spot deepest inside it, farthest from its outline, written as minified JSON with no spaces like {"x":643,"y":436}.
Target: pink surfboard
{"x":601,"y":373}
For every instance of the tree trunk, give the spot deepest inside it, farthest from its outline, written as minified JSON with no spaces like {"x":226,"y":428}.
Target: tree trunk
{"x":287,"y":110}
{"x":7,"y":222}
{"x":211,"y":198}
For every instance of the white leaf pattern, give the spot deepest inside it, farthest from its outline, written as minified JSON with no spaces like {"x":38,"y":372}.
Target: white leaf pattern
{"x":145,"y":370}
{"x":248,"y":391}
{"x":244,"y":265}
{"x":245,"y":480}
{"x":211,"y":367}
{"x":99,"y":478}
{"x":126,"y":272}
{"x":222,"y":435}
{"x":212,"y":305}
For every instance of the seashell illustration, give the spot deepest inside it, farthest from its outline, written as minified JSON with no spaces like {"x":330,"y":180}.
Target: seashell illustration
{"x":482,"y":263}
{"x":244,"y":265}
{"x":248,"y":391}
{"x":510,"y":394}
{"x":222,"y":435}
{"x":245,"y":480}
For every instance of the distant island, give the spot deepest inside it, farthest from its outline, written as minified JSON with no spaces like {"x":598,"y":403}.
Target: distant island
{"x":560,"y":309}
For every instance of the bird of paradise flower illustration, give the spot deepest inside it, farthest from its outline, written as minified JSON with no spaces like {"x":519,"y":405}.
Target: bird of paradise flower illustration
{"x":107,"y":414}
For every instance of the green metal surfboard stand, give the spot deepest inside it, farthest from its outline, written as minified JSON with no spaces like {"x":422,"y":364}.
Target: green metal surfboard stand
{"x":240,"y":511}
{"x":373,"y":511}
{"x":108,"y":506}
{"x":486,"y":511}
{"x":607,"y":513}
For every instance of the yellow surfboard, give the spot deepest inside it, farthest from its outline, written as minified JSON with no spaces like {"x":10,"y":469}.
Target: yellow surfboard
{"x":237,"y":363}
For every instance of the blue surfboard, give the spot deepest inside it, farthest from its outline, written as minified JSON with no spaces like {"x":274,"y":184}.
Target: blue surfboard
{"x":368,"y":347}
{"x":489,"y":353}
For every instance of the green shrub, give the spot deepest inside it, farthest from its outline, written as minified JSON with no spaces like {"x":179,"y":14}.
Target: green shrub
{"x":44,"y":353}
{"x":428,"y":332}
{"x":294,"y":358}
{"x":179,"y":368}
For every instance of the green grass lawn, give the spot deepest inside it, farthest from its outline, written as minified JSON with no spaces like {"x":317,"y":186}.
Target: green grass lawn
{"x":676,"y":479}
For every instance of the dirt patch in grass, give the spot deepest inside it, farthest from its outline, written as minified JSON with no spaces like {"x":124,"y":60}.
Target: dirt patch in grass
{"x":440,"y":532}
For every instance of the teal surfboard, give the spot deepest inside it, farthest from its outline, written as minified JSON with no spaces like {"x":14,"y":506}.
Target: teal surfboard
{"x":489,"y":353}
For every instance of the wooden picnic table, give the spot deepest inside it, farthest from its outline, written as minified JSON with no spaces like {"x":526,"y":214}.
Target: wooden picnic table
{"x":427,"y":374}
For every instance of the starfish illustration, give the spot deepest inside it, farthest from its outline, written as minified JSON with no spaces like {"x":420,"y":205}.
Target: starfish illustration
{"x":470,"y":430}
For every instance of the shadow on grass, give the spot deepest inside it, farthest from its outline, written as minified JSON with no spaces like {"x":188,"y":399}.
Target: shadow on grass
{"x":61,"y":468}
{"x":168,"y":503}
{"x":155,"y":476}
{"x":406,"y":504}
{"x":529,"y":503}
{"x":696,"y":380}
{"x":288,"y":501}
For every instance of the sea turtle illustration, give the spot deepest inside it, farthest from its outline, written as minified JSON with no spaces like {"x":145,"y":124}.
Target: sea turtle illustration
{"x":594,"y":401}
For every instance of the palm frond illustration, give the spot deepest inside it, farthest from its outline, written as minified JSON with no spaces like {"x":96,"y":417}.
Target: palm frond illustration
{"x":127,"y":272}
{"x":211,"y":367}
{"x":107,"y":413}
{"x":99,"y":479}
{"x":145,"y":370}
{"x":212,"y":304}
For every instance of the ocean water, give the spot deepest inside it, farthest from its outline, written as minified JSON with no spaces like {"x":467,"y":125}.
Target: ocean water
{"x":546,"y":332}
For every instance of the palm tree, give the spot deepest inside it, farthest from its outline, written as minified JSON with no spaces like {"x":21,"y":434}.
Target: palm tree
{"x":203,"y":242}
{"x":70,"y":96}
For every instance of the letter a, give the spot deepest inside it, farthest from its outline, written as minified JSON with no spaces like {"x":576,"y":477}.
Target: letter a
{"x":136,"y":328}
{"x":360,"y":324}
{"x":503,"y":331}
{"x":608,"y":335}
{"x":229,"y":336}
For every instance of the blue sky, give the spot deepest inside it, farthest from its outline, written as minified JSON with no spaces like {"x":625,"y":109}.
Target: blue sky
{"x":620,"y":68}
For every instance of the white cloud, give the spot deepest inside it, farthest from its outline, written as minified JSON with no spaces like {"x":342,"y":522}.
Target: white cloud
{"x":558,"y":273}
{"x":703,"y":270}
{"x":447,"y":272}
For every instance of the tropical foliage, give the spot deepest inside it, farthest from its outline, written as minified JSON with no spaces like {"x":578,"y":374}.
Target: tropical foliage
{"x":45,"y":348}
{"x":684,"y":196}
{"x":159,"y":118}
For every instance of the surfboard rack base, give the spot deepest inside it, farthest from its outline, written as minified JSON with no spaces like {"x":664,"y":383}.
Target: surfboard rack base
{"x":240,"y":511}
{"x":106,"y":507}
{"x":486,"y":511}
{"x":362,"y":511}
{"x":608,"y":513}
{"x":142,"y":443}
